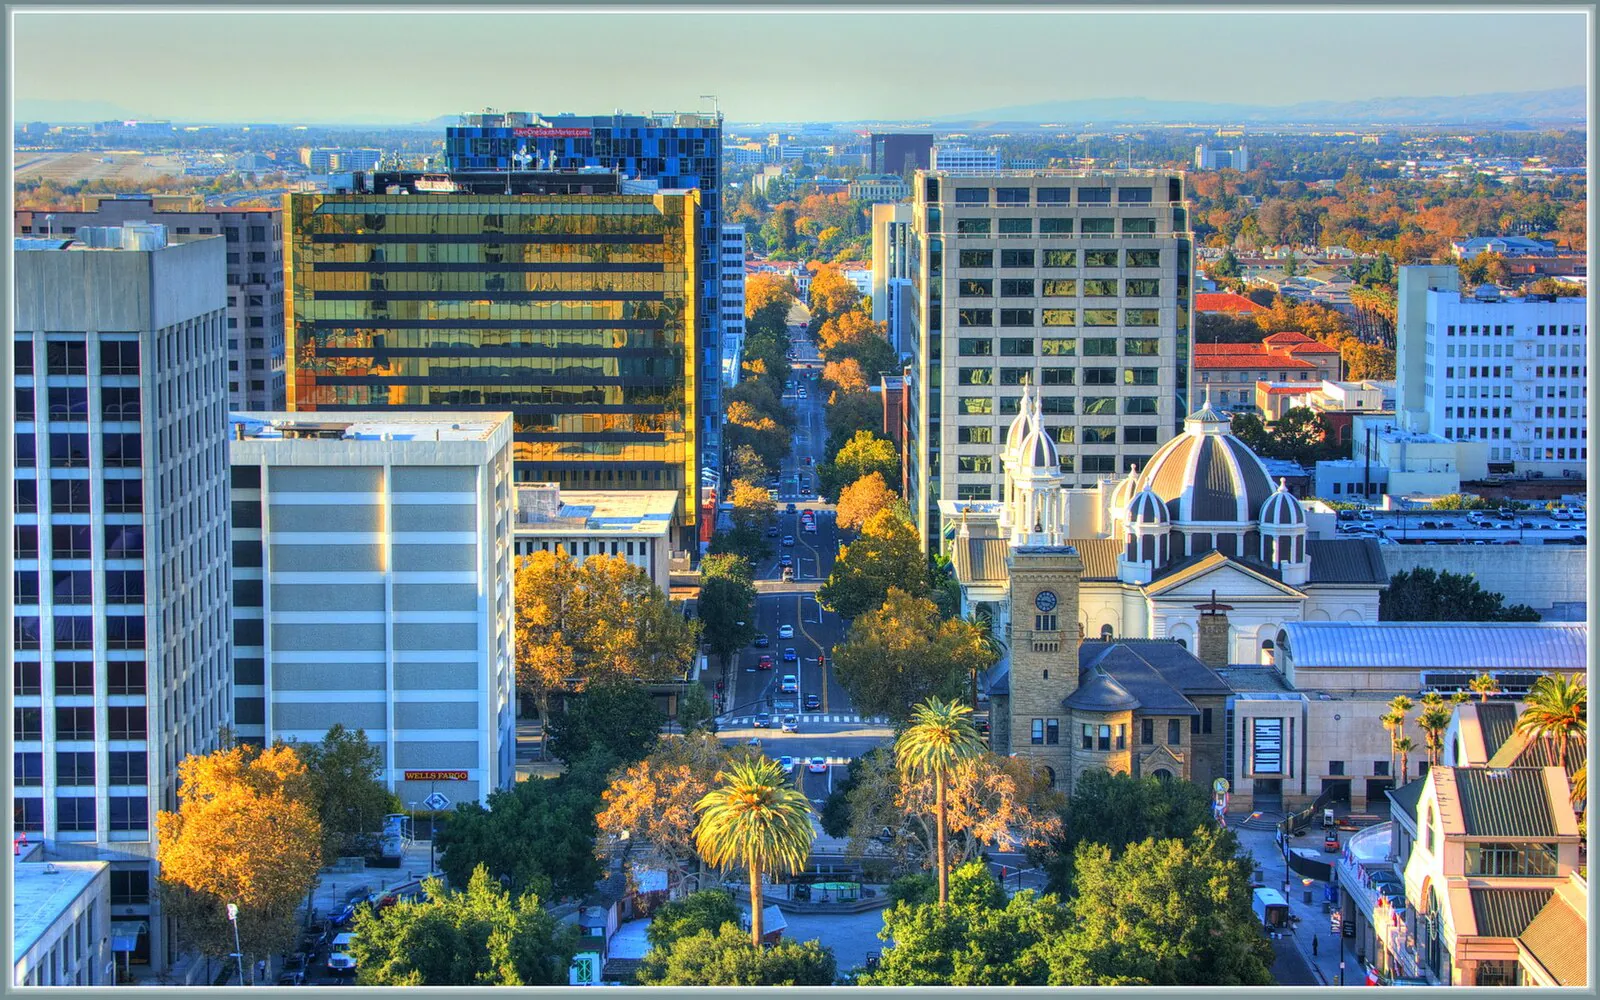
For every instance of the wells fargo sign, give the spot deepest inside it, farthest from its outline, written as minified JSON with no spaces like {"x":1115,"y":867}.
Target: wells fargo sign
{"x":436,"y":776}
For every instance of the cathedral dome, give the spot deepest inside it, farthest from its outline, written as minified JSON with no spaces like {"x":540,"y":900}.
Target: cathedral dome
{"x":1039,"y":451}
{"x":1124,"y":491}
{"x":1282,"y":509}
{"x":1206,"y":474}
{"x":1020,"y":426}
{"x":1147,"y":509}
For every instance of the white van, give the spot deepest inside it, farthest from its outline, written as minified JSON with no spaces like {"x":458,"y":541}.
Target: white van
{"x":1270,"y":908}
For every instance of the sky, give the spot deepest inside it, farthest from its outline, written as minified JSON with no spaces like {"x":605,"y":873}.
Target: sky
{"x":406,"y":64}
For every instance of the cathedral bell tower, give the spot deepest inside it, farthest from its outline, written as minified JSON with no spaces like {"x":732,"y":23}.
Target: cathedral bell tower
{"x":1044,"y":640}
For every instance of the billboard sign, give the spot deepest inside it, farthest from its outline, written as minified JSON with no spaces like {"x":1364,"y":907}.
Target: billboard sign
{"x":1266,"y":746}
{"x":554,"y":133}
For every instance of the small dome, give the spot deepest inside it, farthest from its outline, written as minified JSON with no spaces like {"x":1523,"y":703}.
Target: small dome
{"x":1147,"y":508}
{"x":1039,"y":451}
{"x":1020,"y":426}
{"x":1124,"y":490}
{"x":1282,"y":509}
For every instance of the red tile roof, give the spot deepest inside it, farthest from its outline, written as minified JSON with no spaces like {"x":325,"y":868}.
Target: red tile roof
{"x":1285,"y":390}
{"x":1228,"y":348}
{"x":1224,"y":302}
{"x":1258,"y":359}
{"x":1287,"y":337}
{"x":1314,"y":347}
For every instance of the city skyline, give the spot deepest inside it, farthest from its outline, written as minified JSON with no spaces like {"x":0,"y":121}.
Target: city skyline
{"x":676,"y":58}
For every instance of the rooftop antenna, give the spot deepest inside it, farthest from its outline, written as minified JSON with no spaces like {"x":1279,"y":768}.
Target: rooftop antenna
{"x":716,"y":111}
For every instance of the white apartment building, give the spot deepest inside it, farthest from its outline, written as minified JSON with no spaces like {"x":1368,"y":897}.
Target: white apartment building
{"x":62,"y":933}
{"x":1076,"y":283}
{"x":1503,"y":377}
{"x":120,"y":548}
{"x":630,"y":524}
{"x":372,"y":574}
{"x":965,"y":160}
{"x":879,"y":188}
{"x":894,"y":257}
{"x":1206,"y":158}
{"x":732,"y":300}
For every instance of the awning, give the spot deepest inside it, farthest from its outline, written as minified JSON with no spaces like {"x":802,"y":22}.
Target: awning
{"x":125,"y":934}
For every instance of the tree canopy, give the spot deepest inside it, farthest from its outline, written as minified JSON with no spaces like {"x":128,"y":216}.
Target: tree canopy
{"x":832,"y":294}
{"x":346,"y":775}
{"x":886,"y":554}
{"x":1117,"y":810}
{"x":903,"y":652}
{"x":653,"y":801}
{"x":1423,"y":595}
{"x":727,"y":958}
{"x":537,"y":834}
{"x":864,"y":454}
{"x":863,"y":499}
{"x":620,"y":719}
{"x":727,"y":604}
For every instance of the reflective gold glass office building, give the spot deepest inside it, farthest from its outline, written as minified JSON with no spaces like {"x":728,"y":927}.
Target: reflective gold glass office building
{"x":576,"y":312}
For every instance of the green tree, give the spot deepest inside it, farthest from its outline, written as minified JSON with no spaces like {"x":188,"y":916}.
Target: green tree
{"x":706,"y":910}
{"x":1423,"y":595}
{"x":753,"y":506}
{"x":480,"y":937}
{"x":728,"y":958}
{"x":694,"y":710}
{"x":1227,"y":267}
{"x":864,"y":454}
{"x":346,"y":774}
{"x":1164,"y":912}
{"x":747,"y":464}
{"x":904,"y":651}
{"x":1557,"y":712}
{"x":887,"y":554}
{"x":1116,"y":810}
{"x":1247,"y":427}
{"x":1300,"y":435}
{"x":849,"y":414}
{"x":622,"y":719}
{"x":754,"y":819}
{"x":727,"y":605}
{"x":939,"y":739}
{"x":537,"y":834}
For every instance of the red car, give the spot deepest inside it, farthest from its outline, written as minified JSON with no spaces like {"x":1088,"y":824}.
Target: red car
{"x":765,"y":663}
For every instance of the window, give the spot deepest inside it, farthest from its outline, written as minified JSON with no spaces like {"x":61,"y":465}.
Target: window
{"x":119,"y":404}
{"x":25,"y":631}
{"x":69,"y":496}
{"x":125,"y":677}
{"x":1335,"y":767}
{"x":1014,"y":376}
{"x":1044,"y":623}
{"x":1534,"y":860}
{"x":127,"y":767}
{"x":121,"y":451}
{"x":969,"y":491}
{"x":966,"y":347}
{"x":1139,"y":406}
{"x":1099,"y":376}
{"x":1016,"y":287}
{"x":27,"y":813}
{"x":124,"y":632}
{"x":130,"y":887}
{"x":75,"y":768}
{"x":65,"y":358}
{"x":1100,"y":435}
{"x":75,"y":813}
{"x":25,"y":677}
{"x":27,"y":769}
{"x":71,"y":403}
{"x":1052,"y":732}
{"x":1205,"y":720}
{"x":1141,"y":376}
{"x":25,"y":493}
{"x":1147,"y":731}
{"x":975,"y":435}
{"x":1141,"y":288}
{"x":972,"y":196}
{"x":1016,"y":258}
{"x":124,"y":496}
{"x":972,"y":227}
{"x":1099,"y":227}
{"x":1056,"y":376}
{"x":975,"y":376}
{"x":973,"y":288}
{"x":1058,"y":347}
{"x":124,"y":541}
{"x":1060,"y":287}
{"x":129,"y":812}
{"x":74,"y":632}
{"x":1142,"y":317}
{"x":1100,"y":288}
{"x":1063,"y":435}
{"x":1138,"y":227}
{"x":1105,"y":737}
{"x":119,"y":357}
{"x":1054,"y":195}
{"x":27,"y":724}
{"x":975,"y":406}
{"x":1380,"y":769}
{"x":1013,"y":347}
{"x":75,"y":724}
{"x":1099,"y":317}
{"x":1011,"y":196}
{"x":1088,"y":737}
{"x":1133,"y":196}
{"x":1094,"y":196}
{"x":1058,"y":406}
{"x":1099,"y":406}
{"x":1061,"y":258}
{"x":1144,"y":258}
{"x":1037,"y":738}
{"x":74,"y":677}
{"x":976,"y":258}
{"x":1139,"y":435}
{"x":127,"y":723}
{"x":1016,"y":317}
{"x":1122,"y":737}
{"x":1141,"y":346}
{"x":1099,"y":347}
{"x":22,"y":354}
{"x":69,"y":450}
{"x":27,"y":451}
{"x":1059,"y":317}
{"x":1174,"y":733}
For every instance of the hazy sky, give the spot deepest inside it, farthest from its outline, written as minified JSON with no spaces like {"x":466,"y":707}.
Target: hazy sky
{"x":407,"y":64}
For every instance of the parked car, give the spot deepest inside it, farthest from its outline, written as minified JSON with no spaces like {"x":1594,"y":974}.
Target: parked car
{"x":817,"y":765}
{"x":791,"y":723}
{"x":790,"y":684}
{"x":813,"y":702}
{"x":765,"y":663}
{"x":764,"y":720}
{"x":786,"y":631}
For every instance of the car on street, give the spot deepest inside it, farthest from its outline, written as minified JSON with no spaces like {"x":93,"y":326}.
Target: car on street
{"x":786,"y":631}
{"x":786,"y":561}
{"x":805,"y":489}
{"x":817,"y":765}
{"x":788,"y":574}
{"x":790,"y":508}
{"x":813,"y":702}
{"x":787,"y":763}
{"x":339,"y":961}
{"x":762,"y":642}
{"x":791,"y":723}
{"x":789,"y":656}
{"x":772,"y":532}
{"x":807,"y":512}
{"x":788,"y":540}
{"x":765,"y":663}
{"x":802,"y":392}
{"x":791,"y":683}
{"x":764,"y":720}
{"x":810,"y":526}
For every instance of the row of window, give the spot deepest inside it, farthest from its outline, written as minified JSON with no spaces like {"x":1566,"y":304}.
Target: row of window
{"x":1091,"y":465}
{"x":75,"y":586}
{"x":1064,"y":435}
{"x":74,"y":496}
{"x":1054,"y":376}
{"x":123,"y":722}
{"x":77,"y":677}
{"x":77,"y":631}
{"x":1059,"y":317}
{"x":1056,"y":257}
{"x":70,"y":357}
{"x":72,"y":403}
{"x":70,"y":450}
{"x":76,"y":541}
{"x":1057,"y":347}
{"x":1498,"y":330}
{"x":1093,"y":406}
{"x":1133,"y":288}
{"x":76,"y":813}
{"x":1054,"y":195}
{"x":980,"y":228}
{"x":77,"y":768}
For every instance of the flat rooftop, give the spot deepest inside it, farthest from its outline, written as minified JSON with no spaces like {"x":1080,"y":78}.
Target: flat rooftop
{"x":369,"y":426}
{"x":646,"y":513}
{"x":39,"y":898}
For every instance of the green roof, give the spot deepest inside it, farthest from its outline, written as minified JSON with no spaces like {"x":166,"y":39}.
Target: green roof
{"x":1504,"y":802}
{"x":1506,"y":913}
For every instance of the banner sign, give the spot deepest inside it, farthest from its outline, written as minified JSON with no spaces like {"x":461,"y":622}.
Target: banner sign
{"x":436,"y":776}
{"x":1266,"y":746}
{"x":555,"y":133}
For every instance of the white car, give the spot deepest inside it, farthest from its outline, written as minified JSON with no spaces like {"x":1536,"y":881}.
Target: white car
{"x":817,"y":765}
{"x":787,"y":763}
{"x":786,"y":631}
{"x":340,"y":963}
{"x":791,"y":684}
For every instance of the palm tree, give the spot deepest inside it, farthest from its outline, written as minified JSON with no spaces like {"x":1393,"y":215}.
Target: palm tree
{"x":939,"y":738}
{"x":1403,"y":746}
{"x":1485,"y":685}
{"x":1556,"y":710}
{"x":757,"y":819}
{"x":1393,"y":723}
{"x":1433,"y":722}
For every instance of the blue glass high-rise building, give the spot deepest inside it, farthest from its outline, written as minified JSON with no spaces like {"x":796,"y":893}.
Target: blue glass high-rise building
{"x":671,"y":150}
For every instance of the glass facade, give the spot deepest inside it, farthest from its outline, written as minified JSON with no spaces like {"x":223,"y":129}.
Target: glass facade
{"x":574,"y":312}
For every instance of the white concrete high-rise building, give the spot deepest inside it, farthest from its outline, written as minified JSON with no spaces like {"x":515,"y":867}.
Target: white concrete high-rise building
{"x":1077,"y":283}
{"x":894,"y":257}
{"x":120,"y":549}
{"x":732,"y":302}
{"x":372,"y":573}
{"x":963,"y":160}
{"x":1503,"y":377}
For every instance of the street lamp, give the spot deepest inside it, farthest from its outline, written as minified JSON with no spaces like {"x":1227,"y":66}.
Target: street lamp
{"x":238,"y":952}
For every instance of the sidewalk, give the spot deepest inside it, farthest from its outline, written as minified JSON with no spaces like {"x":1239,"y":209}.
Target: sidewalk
{"x":1259,"y":838}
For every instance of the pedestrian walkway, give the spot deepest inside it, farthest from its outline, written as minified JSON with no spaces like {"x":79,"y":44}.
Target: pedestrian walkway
{"x":747,"y":720}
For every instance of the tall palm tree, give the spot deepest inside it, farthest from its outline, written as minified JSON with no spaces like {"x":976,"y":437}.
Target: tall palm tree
{"x":939,"y":738}
{"x":1403,"y":746}
{"x":1485,"y":685}
{"x":757,"y":819}
{"x":1556,"y":711}
{"x":1433,"y":722}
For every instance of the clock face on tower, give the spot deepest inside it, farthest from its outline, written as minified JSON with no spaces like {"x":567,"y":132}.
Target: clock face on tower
{"x":1045,"y":601}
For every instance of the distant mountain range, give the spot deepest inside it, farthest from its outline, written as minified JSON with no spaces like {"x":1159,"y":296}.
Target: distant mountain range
{"x":1566,"y":104}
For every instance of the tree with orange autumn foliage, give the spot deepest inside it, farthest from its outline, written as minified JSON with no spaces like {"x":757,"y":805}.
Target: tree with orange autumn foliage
{"x":863,"y":498}
{"x":845,"y":376}
{"x":832,"y":295}
{"x":247,"y":833}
